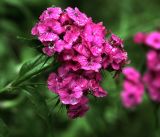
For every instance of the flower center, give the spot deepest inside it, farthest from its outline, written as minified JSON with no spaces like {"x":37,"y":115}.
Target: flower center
{"x":131,"y":96}
{"x":49,"y":12}
{"x":51,"y":45}
{"x":76,"y":14}
{"x":157,"y":40}
{"x":49,"y":30}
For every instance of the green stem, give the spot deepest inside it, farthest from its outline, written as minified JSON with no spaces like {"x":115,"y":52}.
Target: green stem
{"x":19,"y":81}
{"x":27,"y":77}
{"x":157,"y":120}
{"x":7,"y":88}
{"x":7,"y":104}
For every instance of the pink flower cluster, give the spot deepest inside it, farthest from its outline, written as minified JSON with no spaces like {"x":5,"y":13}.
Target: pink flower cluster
{"x":83,"y":51}
{"x":152,"y":76}
{"x":151,"y":39}
{"x":133,"y":88}
{"x":152,"y":81}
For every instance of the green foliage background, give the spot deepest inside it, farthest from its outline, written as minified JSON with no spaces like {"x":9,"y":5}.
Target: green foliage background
{"x":31,"y":110}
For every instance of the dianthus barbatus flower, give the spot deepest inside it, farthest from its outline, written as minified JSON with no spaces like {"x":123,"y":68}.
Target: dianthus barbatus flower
{"x":153,"y":60}
{"x":151,"y":39}
{"x":133,"y":88}
{"x":152,"y":81}
{"x":152,"y":75}
{"x":79,"y":109}
{"x":139,"y":38}
{"x":82,"y":50}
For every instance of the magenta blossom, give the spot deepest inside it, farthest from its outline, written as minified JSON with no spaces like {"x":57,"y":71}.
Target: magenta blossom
{"x":152,"y":80}
{"x":74,"y":91}
{"x":153,"y":40}
{"x":65,"y":19}
{"x":153,"y":60}
{"x":131,"y":98}
{"x":96,"y":89}
{"x":82,"y":50}
{"x":80,"y":18}
{"x":57,"y":46}
{"x":79,"y":109}
{"x":133,"y":88}
{"x":48,"y":30}
{"x":116,"y":41}
{"x":92,"y":75}
{"x":57,"y":82}
{"x":49,"y":50}
{"x":72,"y":34}
{"x":71,"y":30}
{"x":139,"y":38}
{"x":51,"y":13}
{"x":116,"y":57}
{"x":131,"y":74}
{"x":80,"y":47}
{"x":94,"y":33}
{"x":89,"y":63}
{"x":71,"y":94}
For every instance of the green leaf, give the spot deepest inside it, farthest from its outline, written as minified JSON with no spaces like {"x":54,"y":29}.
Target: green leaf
{"x":3,"y":129}
{"x":31,"y":64}
{"x":38,"y":101}
{"x":108,"y":81}
{"x":32,"y":68}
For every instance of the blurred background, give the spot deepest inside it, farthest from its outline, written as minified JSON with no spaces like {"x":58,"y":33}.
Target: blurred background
{"x":23,"y":115}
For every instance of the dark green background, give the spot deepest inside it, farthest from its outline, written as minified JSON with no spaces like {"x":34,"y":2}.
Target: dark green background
{"x":25,"y":115}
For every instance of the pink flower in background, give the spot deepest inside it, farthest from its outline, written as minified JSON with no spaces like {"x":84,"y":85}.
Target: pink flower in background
{"x":153,"y":40}
{"x":152,"y":80}
{"x":131,"y":98}
{"x":133,"y":88}
{"x":131,"y":74}
{"x":152,"y":76}
{"x":153,"y":60}
{"x":82,"y":50}
{"x":139,"y":38}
